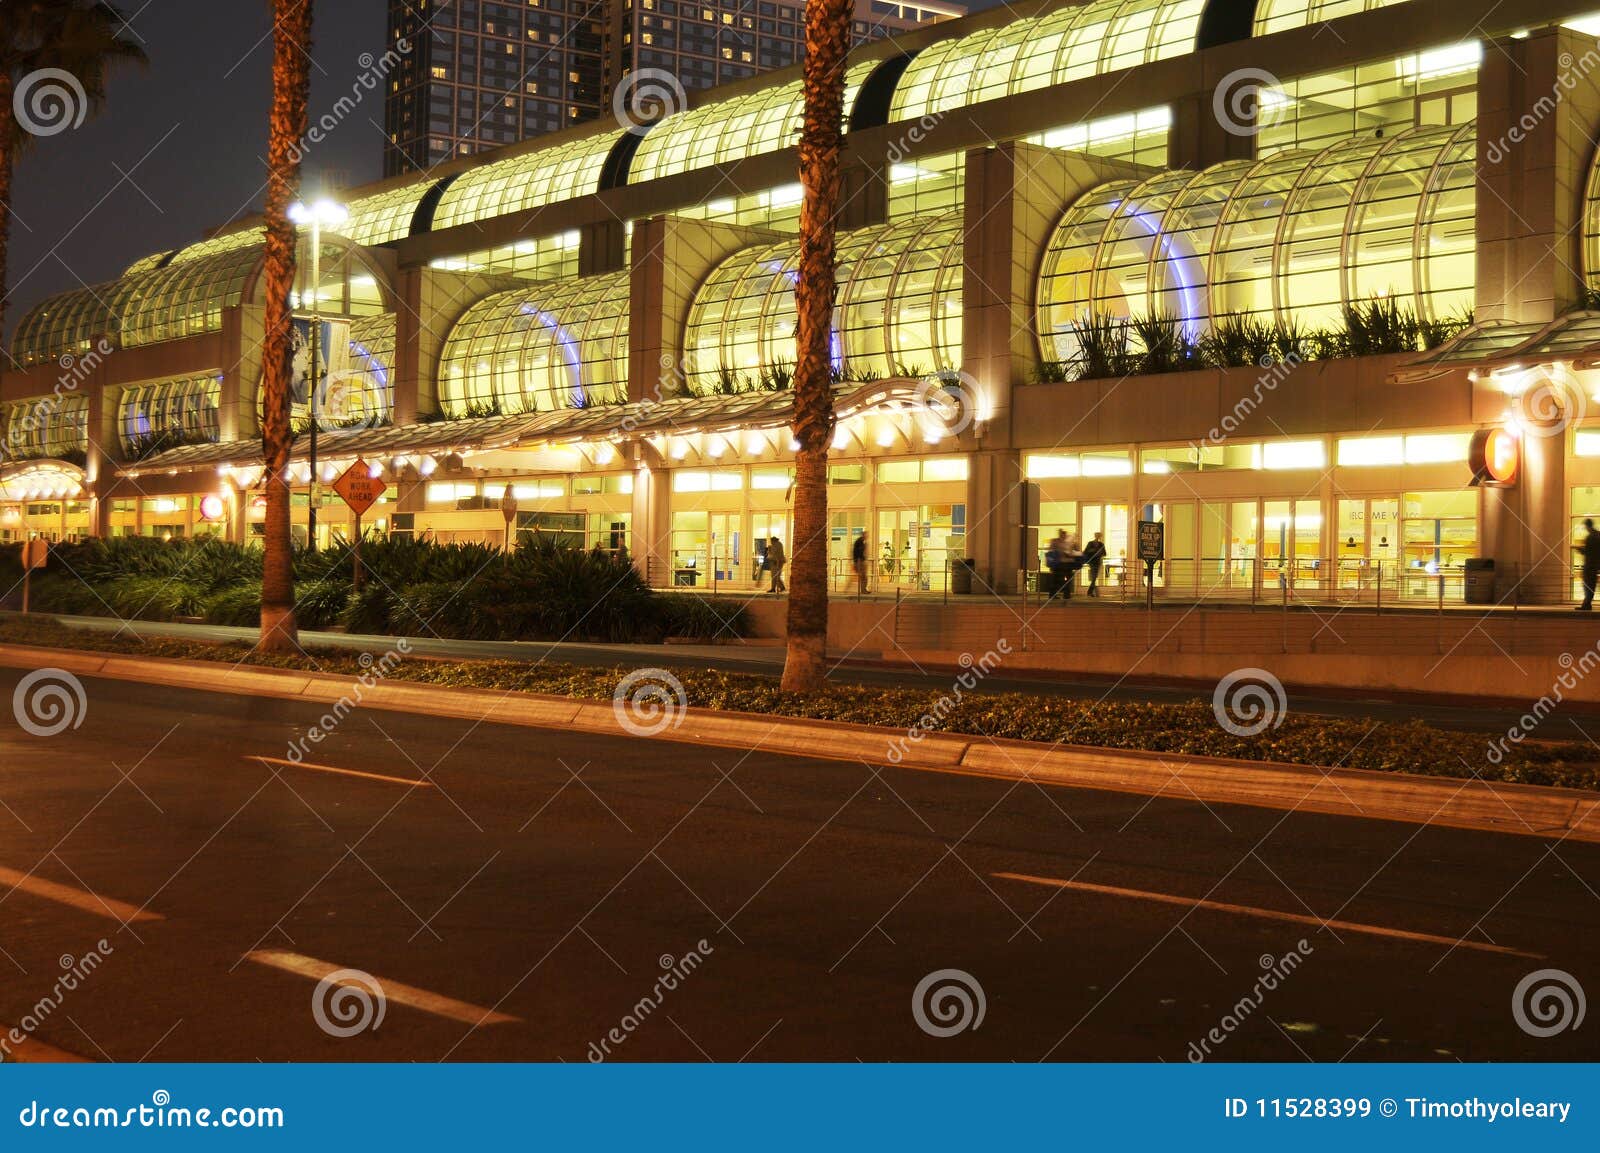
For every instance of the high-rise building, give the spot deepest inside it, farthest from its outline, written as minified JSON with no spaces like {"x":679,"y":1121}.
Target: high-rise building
{"x":479,"y":74}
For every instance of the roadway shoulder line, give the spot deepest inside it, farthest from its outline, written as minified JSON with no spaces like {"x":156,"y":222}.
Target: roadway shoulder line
{"x":401,"y":994}
{"x":82,"y":899}
{"x":1528,"y":810}
{"x":1265,"y":914}
{"x":411,"y":781}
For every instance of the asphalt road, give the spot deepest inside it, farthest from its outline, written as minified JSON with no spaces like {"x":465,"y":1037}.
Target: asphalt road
{"x":1578,"y":723}
{"x":557,"y":878}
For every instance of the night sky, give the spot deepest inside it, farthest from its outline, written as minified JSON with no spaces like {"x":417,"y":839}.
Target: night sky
{"x":180,"y":147}
{"x":190,"y":133}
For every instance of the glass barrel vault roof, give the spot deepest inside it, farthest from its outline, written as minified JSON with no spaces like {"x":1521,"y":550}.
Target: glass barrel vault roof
{"x":524,"y":182}
{"x":767,"y":120}
{"x":1067,"y":44}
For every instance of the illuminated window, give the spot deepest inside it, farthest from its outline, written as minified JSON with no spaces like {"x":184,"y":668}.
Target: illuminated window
{"x":45,"y":426}
{"x":168,"y":413}
{"x":546,"y":347}
{"x":1291,"y":239}
{"x":1054,"y":466}
{"x":898,"y":310}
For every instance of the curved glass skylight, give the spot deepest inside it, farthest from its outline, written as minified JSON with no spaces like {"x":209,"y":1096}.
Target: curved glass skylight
{"x":524,"y":182}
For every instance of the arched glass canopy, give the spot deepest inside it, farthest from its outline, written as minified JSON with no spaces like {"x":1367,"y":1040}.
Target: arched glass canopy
{"x":186,"y":297}
{"x":68,"y":323}
{"x":383,"y":217}
{"x":524,"y":182}
{"x":167,"y":413}
{"x":44,"y":426}
{"x":898,"y":310}
{"x":1292,"y":239}
{"x":540,"y":348}
{"x":1067,"y":44}
{"x":767,"y":120}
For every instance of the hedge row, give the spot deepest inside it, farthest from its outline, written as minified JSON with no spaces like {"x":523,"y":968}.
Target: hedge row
{"x":539,"y":591}
{"x":1187,"y":728}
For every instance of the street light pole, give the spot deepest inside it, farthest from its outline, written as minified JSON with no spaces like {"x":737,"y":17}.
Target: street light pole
{"x":316,"y":371}
{"x":334,"y":214}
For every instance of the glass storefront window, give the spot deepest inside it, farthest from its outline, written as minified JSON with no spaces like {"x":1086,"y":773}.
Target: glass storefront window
{"x":613,"y":483}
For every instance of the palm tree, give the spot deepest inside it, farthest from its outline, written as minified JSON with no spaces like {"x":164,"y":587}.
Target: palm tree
{"x":827,"y":41}
{"x":291,"y":91}
{"x":79,"y":37}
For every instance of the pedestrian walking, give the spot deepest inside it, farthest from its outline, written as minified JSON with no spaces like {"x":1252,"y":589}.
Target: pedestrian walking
{"x":1058,"y":561}
{"x":1094,"y":555}
{"x":776,"y":559}
{"x":1589,"y":550}
{"x":858,"y":561}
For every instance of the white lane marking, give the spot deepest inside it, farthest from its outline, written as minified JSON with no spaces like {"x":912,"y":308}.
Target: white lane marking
{"x":400,"y":994}
{"x":119,"y":911}
{"x":1266,"y":914}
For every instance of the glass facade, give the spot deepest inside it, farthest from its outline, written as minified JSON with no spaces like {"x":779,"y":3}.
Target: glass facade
{"x":1068,"y":44}
{"x":548,"y":347}
{"x":384,"y":216}
{"x":1276,"y":15}
{"x":897,"y":312}
{"x":532,"y":180}
{"x":166,"y":413}
{"x":1291,"y":239}
{"x":44,"y":426}
{"x":767,"y":120}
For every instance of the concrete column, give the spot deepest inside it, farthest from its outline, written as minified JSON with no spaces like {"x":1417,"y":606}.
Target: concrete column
{"x":1538,"y":112}
{"x":652,"y":518}
{"x":1015,"y":195}
{"x":1197,"y":139}
{"x":1538,"y":109}
{"x":671,"y":259}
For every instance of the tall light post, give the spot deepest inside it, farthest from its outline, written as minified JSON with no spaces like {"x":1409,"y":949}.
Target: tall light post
{"x":317,"y":214}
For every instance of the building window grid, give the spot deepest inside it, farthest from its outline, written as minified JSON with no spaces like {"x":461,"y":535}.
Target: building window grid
{"x":44,"y":426}
{"x":1297,"y":236}
{"x":899,"y":305}
{"x":553,"y":347}
{"x":186,"y":409}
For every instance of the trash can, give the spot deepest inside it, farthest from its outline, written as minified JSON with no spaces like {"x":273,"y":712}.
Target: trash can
{"x":1479,"y":580}
{"x":961,"y":575}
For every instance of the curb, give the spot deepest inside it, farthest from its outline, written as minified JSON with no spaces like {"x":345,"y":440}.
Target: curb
{"x":1529,"y":810}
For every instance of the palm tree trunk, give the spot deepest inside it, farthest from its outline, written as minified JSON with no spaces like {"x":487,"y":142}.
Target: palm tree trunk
{"x":291,"y":89}
{"x":8,"y":159}
{"x":827,"y":41}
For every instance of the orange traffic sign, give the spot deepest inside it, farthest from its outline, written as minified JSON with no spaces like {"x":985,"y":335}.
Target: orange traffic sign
{"x":359,"y":488}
